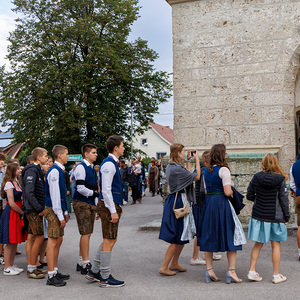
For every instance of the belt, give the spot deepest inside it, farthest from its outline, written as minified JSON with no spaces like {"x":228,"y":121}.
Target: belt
{"x":215,"y":193}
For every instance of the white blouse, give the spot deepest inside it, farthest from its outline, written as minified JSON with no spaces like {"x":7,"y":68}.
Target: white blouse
{"x":8,"y":185}
{"x":224,"y":174}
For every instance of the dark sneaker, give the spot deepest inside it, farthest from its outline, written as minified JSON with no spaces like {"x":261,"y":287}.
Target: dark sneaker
{"x":78,"y":268}
{"x":91,"y":276}
{"x":1,"y":259}
{"x":55,"y":281}
{"x":62,"y":276}
{"x":44,"y":264}
{"x":36,"y":274}
{"x":85,"y":270}
{"x":111,"y":282}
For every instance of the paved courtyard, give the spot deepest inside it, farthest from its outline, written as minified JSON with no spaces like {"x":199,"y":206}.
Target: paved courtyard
{"x":137,"y":258}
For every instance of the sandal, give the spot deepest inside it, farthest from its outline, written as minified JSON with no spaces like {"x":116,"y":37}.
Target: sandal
{"x":179,"y":269}
{"x":162,"y":272}
{"x":209,"y":278}
{"x":229,"y":278}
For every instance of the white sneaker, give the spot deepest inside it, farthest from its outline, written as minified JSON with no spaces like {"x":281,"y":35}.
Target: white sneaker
{"x":217,"y":257}
{"x":1,"y":259}
{"x":198,"y":261}
{"x":254,"y":277}
{"x":279,"y":279}
{"x":20,"y":270}
{"x":10,"y":272}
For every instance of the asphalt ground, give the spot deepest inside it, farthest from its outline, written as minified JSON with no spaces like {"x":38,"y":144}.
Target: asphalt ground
{"x":137,"y":257}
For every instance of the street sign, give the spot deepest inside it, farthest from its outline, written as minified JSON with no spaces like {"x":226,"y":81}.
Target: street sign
{"x":75,"y":157}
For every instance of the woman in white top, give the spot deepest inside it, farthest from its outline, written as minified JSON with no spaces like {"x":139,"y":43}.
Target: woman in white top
{"x":11,"y":221}
{"x":218,"y":224}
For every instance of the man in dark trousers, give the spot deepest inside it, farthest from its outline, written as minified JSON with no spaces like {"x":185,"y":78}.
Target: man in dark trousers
{"x":110,"y":211}
{"x":295,"y":192}
{"x":34,"y":203}
{"x":86,"y":191}
{"x":124,"y":179}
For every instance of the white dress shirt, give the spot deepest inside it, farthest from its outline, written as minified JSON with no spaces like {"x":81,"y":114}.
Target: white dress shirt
{"x":80,"y":175}
{"x":292,"y":180}
{"x":53,"y":181}
{"x":108,"y":171}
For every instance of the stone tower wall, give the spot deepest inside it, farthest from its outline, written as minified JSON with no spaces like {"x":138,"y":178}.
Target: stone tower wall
{"x":235,"y":67}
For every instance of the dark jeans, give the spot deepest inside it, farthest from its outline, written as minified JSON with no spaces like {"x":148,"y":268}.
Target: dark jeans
{"x":125,"y":191}
{"x":140,"y":184}
{"x":135,"y":193}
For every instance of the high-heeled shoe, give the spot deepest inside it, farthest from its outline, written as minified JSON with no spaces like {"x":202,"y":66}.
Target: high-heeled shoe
{"x":209,"y":278}
{"x":229,"y":278}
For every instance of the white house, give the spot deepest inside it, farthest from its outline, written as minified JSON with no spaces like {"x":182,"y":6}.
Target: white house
{"x":155,"y":141}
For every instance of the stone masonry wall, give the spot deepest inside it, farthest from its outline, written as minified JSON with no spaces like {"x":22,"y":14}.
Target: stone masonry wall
{"x":235,"y":67}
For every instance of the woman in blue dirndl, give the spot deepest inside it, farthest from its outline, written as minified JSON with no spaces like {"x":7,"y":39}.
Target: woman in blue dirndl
{"x":219,"y":219}
{"x":178,"y":232}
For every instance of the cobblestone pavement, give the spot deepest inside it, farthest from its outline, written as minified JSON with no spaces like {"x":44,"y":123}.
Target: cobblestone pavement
{"x":137,"y":257}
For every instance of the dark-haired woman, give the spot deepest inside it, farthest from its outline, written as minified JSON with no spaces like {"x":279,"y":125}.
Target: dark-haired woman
{"x":178,"y":232}
{"x":11,"y":221}
{"x":219,"y":219}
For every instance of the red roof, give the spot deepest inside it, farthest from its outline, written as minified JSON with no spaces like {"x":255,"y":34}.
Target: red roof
{"x":12,"y":150}
{"x":164,"y":131}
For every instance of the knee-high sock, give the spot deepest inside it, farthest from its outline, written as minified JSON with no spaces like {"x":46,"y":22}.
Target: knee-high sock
{"x":97,"y":261}
{"x":105,"y":264}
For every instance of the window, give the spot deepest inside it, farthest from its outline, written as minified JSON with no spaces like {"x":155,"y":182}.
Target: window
{"x":160,"y":154}
{"x":144,"y":142}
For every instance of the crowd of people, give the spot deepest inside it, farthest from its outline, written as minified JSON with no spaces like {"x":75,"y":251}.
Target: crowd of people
{"x":201,"y":205}
{"x":135,"y":177}
{"x":215,"y":205}
{"x":38,"y":203}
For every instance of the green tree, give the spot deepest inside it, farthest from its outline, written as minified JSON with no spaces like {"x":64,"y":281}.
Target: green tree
{"x":22,"y":157}
{"x":74,"y":73}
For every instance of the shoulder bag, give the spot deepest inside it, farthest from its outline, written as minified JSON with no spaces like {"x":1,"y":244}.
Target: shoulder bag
{"x":180,"y":212}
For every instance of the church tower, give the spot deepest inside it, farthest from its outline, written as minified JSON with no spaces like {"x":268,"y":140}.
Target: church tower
{"x":236,"y":81}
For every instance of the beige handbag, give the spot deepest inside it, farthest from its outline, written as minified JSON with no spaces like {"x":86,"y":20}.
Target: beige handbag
{"x":180,"y":212}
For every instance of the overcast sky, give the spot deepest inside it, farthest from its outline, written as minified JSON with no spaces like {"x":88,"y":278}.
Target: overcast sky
{"x":154,"y":25}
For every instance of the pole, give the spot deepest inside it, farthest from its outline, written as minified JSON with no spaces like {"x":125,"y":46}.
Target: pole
{"x":131,"y":152}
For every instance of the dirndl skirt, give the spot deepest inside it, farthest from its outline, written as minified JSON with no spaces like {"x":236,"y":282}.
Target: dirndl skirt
{"x":217,"y":228}
{"x":263,"y":232}
{"x":198,"y":215}
{"x":171,"y":228}
{"x":12,"y":226}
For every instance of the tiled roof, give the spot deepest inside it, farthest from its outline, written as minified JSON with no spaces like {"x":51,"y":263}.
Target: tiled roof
{"x":15,"y":150}
{"x":164,"y":131}
{"x":7,"y":147}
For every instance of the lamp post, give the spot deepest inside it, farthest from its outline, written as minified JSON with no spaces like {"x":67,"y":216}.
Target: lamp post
{"x":132,"y":106}
{"x":131,"y":131}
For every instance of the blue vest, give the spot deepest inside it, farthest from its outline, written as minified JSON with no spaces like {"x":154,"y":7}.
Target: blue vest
{"x":116,"y":189}
{"x":62,"y":188}
{"x":296,"y":174}
{"x":213,"y":182}
{"x":90,"y":182}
